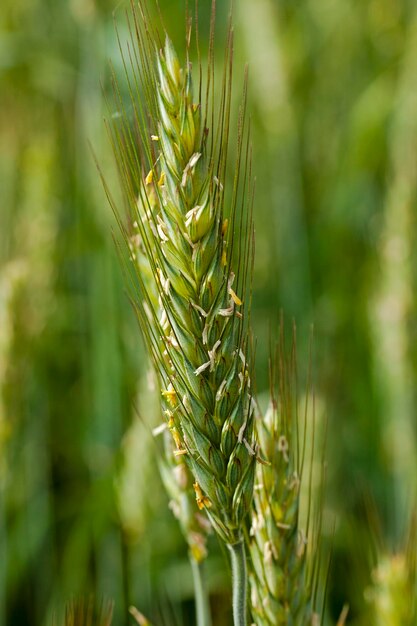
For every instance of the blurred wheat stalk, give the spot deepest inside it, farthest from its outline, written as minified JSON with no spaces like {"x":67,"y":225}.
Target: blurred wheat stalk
{"x":393,"y":301}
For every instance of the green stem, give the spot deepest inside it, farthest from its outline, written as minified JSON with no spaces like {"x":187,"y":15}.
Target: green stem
{"x":202,"y":606}
{"x":240,"y":583}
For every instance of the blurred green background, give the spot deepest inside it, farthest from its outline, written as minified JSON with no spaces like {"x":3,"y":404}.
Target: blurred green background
{"x":333,"y":101}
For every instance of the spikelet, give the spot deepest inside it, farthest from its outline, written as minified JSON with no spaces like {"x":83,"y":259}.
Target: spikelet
{"x":196,"y":332}
{"x":283,"y":554}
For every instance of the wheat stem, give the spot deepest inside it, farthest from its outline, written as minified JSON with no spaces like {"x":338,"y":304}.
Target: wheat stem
{"x":239,"y":582}
{"x":202,"y":606}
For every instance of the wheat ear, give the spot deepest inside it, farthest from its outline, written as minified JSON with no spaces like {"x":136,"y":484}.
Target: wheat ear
{"x":284,"y":557}
{"x":198,"y":334}
{"x":392,"y":596}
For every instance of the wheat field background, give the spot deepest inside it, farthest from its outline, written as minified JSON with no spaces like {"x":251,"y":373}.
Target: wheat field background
{"x":333,"y":104}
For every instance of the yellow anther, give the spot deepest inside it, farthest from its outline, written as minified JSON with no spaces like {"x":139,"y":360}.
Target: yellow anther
{"x":161,"y":179}
{"x":154,"y":137}
{"x":170,"y":395}
{"x":180,"y":452}
{"x":198,"y":549}
{"x":202,"y":500}
{"x":224,"y":258}
{"x":149,"y":178}
{"x":224,"y":226}
{"x":234,"y":297}
{"x":177,"y":439}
